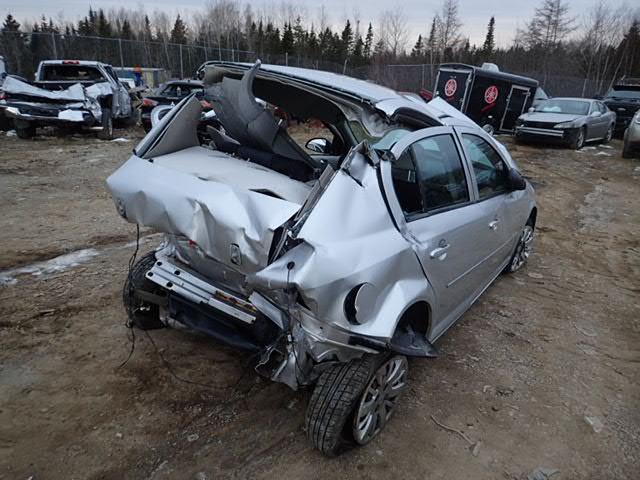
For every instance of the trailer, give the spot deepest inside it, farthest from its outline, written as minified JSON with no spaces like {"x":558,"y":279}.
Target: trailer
{"x":491,"y":98}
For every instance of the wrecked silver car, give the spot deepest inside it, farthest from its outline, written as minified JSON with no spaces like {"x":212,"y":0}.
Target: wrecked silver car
{"x":332,"y":263}
{"x":67,"y":94}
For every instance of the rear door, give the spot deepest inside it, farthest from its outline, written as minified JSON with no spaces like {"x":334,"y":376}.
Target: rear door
{"x":495,"y":200}
{"x":516,"y":101}
{"x":452,"y":85}
{"x":436,"y":209}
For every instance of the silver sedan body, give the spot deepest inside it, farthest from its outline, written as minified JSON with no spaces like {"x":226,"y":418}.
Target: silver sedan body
{"x":375,"y":252}
{"x":631,"y":145}
{"x":572,"y":121}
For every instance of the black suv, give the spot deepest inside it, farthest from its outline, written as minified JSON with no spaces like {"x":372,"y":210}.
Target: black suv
{"x":624,"y":100}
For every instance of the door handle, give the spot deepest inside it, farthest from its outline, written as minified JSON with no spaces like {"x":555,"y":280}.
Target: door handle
{"x":494,"y":225}
{"x":440,"y":252}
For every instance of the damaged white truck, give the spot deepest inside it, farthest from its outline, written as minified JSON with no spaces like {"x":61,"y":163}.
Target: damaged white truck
{"x":68,"y":94}
{"x":332,"y":263}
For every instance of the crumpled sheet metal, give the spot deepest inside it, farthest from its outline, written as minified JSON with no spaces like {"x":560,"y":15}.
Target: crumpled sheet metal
{"x":99,"y":90}
{"x":75,"y":93}
{"x":214,"y":215}
{"x":339,"y":252}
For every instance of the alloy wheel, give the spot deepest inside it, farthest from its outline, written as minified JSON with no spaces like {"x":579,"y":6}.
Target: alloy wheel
{"x":379,"y":399}
{"x":524,"y":249}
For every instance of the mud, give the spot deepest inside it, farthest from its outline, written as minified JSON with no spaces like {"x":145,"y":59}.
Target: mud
{"x":541,"y":372}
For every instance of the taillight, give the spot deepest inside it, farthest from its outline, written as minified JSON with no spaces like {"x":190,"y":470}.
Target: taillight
{"x":205,"y":104}
{"x":2,"y":95}
{"x":147,"y":102}
{"x":71,"y":62}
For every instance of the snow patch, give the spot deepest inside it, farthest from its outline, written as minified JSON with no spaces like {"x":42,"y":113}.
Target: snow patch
{"x":603,"y":154}
{"x":47,"y":267}
{"x":12,"y":133}
{"x":121,"y":140}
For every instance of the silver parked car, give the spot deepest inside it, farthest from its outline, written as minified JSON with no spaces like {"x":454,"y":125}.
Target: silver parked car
{"x":334,"y":263}
{"x":572,"y":121}
{"x":631,"y":146}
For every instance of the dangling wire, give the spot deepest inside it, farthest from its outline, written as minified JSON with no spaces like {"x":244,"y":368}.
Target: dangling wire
{"x":127,"y":295}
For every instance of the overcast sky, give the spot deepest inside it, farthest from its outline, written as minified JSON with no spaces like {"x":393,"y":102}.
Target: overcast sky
{"x":475,"y":14}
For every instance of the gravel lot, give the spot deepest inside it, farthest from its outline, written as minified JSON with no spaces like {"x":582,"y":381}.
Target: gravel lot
{"x":541,"y":372}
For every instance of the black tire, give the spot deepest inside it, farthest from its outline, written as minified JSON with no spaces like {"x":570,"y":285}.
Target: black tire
{"x":626,"y":147}
{"x":332,"y":404}
{"x":26,"y":132}
{"x":578,"y":139}
{"x":107,"y":125}
{"x":142,"y":315}
{"x":609,"y":135}
{"x":511,"y":268}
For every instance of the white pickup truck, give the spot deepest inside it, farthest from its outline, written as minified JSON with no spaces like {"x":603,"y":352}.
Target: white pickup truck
{"x":68,"y":94}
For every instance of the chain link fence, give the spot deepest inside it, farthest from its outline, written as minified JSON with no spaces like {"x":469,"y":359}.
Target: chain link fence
{"x":23,"y":52}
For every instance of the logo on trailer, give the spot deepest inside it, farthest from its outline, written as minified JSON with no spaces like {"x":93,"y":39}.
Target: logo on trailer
{"x":491,"y":94}
{"x":450,"y":87}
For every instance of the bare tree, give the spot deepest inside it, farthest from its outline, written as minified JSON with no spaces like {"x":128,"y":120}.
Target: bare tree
{"x":448,"y":27}
{"x":550,"y":25}
{"x":602,"y":28}
{"x":393,"y":30}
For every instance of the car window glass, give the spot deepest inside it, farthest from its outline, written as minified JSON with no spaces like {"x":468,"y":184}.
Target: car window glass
{"x":603,"y":108}
{"x":490,"y":170}
{"x":429,"y":176}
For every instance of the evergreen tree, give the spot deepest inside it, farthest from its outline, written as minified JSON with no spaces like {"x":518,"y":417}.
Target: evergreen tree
{"x":178,"y":32}
{"x":103,"y":25}
{"x":431,"y":41}
{"x":489,"y":42}
{"x":357,"y":55}
{"x":418,"y":48}
{"x":287,"y":39}
{"x":125,"y":31}
{"x":368,"y":42}
{"x":347,"y":38}
{"x":147,"y":33}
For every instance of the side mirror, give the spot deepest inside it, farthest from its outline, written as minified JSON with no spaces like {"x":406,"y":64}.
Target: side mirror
{"x":516,"y":181}
{"x":319,"y":145}
{"x":531,"y":110}
{"x":596,"y":114}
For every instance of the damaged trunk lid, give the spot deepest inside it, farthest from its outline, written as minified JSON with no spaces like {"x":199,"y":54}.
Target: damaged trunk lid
{"x":228,"y":207}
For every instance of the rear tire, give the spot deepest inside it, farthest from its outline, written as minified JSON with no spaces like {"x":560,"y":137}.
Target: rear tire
{"x":107,"y":125}
{"x":523,"y":249}
{"x":142,"y":314}
{"x":609,"y":135}
{"x":26,"y":132}
{"x":353,"y":401}
{"x":626,"y":148}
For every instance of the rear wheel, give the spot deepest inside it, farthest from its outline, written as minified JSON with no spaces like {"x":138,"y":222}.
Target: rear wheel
{"x":523,"y":249}
{"x":609,"y":135}
{"x":142,"y":314}
{"x":352,"y":402}
{"x":626,"y":147}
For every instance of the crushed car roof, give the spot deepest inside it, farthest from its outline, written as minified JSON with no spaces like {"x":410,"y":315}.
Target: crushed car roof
{"x":382,"y":98}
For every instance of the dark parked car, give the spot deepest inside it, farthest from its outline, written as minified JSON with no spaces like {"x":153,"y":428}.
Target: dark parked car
{"x":170,"y":93}
{"x":571,"y":121}
{"x":624,"y":100}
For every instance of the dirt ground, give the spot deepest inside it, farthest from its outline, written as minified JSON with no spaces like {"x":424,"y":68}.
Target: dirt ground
{"x":541,"y":372}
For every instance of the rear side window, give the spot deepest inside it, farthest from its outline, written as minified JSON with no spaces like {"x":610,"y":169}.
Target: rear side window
{"x":490,"y":170}
{"x":429,"y":176}
{"x":70,"y":73}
